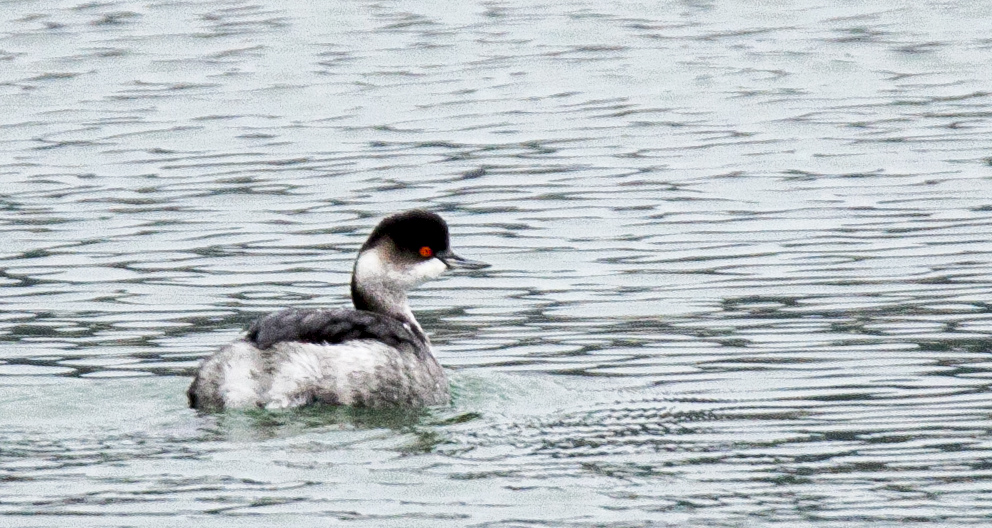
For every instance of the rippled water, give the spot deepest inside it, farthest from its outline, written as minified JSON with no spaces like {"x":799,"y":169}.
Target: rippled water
{"x":741,"y":258}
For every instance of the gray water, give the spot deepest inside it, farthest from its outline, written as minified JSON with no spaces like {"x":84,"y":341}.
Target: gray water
{"x":742,"y":271}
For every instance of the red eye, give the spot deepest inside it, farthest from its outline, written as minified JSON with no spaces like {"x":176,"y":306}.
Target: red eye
{"x":426,"y":252}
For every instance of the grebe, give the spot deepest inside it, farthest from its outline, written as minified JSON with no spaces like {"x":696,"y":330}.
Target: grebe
{"x":376,"y":355}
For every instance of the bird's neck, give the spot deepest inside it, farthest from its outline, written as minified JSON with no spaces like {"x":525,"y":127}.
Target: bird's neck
{"x":374,"y":290}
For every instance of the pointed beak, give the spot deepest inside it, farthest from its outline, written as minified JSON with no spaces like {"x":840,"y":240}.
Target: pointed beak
{"x":455,"y":262}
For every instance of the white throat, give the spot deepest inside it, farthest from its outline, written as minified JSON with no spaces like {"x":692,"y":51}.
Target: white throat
{"x":383,"y":280}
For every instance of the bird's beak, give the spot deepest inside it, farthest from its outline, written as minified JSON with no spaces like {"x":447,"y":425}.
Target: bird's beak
{"x":455,"y":262}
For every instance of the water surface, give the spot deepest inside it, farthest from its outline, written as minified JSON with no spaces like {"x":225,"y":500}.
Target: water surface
{"x":741,"y":259}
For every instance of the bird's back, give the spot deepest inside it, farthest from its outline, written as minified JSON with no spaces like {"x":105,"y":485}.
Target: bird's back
{"x":339,"y":357}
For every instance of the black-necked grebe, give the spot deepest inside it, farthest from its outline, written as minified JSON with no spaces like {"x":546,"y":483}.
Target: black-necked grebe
{"x":374,"y":356}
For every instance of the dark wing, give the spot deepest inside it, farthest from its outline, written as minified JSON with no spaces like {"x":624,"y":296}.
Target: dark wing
{"x":329,"y":326}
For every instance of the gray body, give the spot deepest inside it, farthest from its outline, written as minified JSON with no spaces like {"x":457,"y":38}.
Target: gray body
{"x":302,"y":357}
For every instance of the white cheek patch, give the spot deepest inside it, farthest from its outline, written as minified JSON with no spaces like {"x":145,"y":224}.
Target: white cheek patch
{"x":372,"y":269}
{"x":425,"y":271}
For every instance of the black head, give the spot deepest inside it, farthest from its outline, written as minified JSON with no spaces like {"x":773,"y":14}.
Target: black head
{"x":411,"y":232}
{"x":419,"y":235}
{"x":403,"y":251}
